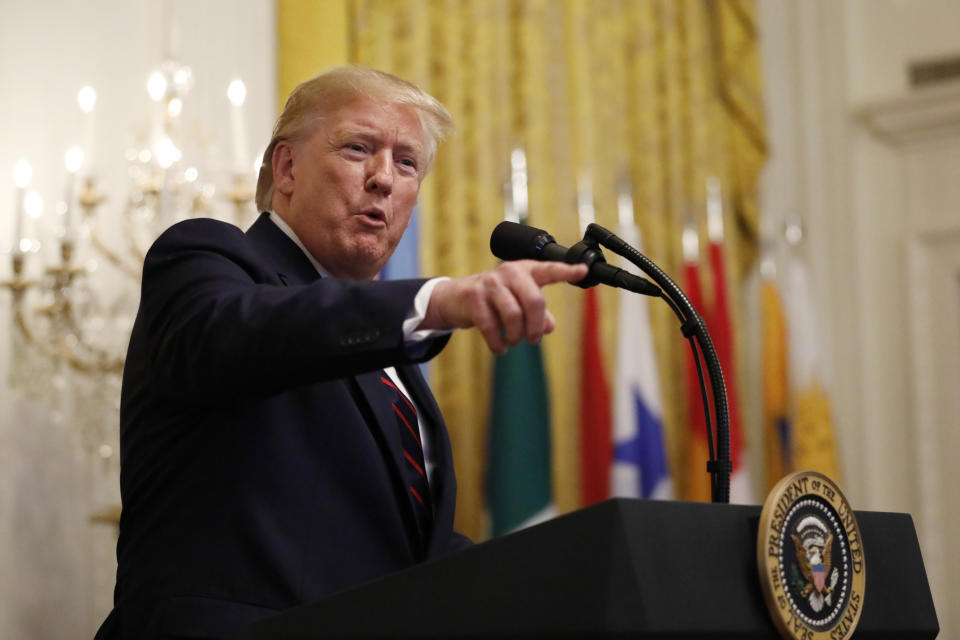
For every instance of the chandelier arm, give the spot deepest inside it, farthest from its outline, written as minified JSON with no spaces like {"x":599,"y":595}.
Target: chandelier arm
{"x":112,"y":257}
{"x":98,"y":361}
{"x":90,"y":200}
{"x":240,"y":193}
{"x":101,"y":363}
{"x":19,"y":319}
{"x":17,"y":286}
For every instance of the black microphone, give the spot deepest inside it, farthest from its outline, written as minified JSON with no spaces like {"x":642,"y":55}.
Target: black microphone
{"x":512,"y":241}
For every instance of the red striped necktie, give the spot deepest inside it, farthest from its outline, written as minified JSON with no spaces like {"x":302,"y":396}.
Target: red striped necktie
{"x":414,"y":469}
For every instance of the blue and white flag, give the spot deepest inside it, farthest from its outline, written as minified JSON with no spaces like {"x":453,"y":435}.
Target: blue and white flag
{"x":640,"y":468}
{"x":405,"y":261}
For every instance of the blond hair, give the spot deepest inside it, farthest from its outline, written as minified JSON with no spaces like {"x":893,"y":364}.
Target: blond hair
{"x":314,"y":99}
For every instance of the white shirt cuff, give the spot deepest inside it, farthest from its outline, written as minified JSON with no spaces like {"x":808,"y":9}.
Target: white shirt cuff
{"x":419,"y":312}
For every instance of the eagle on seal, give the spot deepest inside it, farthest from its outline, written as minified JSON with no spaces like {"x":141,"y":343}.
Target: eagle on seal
{"x":814,"y":562}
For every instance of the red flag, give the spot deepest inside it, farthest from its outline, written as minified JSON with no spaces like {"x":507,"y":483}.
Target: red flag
{"x":596,"y":449}
{"x":697,"y":482}
{"x":720,"y":331}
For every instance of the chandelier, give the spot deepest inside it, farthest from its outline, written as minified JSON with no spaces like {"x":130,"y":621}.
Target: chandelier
{"x":73,"y":284}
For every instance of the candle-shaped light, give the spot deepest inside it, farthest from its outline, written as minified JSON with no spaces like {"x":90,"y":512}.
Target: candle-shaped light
{"x":22,"y":173}
{"x":73,"y":159}
{"x":174,"y":108}
{"x":87,"y":99}
{"x":183,"y":79}
{"x":157,"y":88}
{"x":237,"y":93}
{"x":33,"y":206}
{"x":167,"y":154}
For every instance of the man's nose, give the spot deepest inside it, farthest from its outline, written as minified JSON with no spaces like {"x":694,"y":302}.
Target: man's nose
{"x":380,"y":173}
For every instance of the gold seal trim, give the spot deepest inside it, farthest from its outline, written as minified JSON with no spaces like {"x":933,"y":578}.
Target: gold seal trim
{"x":810,"y":559}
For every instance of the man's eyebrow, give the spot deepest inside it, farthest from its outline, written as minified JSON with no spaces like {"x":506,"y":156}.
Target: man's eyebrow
{"x":411,"y":146}
{"x":366,"y":131}
{"x":346,"y":130}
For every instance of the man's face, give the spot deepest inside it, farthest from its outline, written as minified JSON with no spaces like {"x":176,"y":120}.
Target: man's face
{"x":353,"y":183}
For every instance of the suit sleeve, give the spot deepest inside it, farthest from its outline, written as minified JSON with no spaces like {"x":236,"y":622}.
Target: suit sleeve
{"x":210,"y":323}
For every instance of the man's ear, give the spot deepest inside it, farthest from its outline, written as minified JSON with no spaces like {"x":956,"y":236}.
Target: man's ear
{"x":283,"y":168}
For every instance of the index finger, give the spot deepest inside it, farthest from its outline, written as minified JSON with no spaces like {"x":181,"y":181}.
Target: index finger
{"x":544,"y":273}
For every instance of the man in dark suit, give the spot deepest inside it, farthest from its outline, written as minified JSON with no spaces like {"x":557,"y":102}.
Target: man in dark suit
{"x":278,"y":442}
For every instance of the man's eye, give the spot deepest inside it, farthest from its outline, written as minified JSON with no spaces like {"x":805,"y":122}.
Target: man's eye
{"x":409,"y":162}
{"x":356,"y":147}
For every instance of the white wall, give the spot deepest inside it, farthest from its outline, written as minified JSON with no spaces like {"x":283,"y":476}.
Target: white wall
{"x":872,"y":167}
{"x":56,"y":569}
{"x":883,"y":36}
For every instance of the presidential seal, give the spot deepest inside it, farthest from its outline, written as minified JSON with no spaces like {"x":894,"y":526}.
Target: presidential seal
{"x":810,"y":559}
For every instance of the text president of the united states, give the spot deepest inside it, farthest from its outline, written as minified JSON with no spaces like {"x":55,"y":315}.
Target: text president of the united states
{"x":278,"y":442}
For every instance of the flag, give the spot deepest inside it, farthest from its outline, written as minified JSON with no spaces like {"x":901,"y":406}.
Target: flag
{"x":814,"y":448}
{"x":697,"y":485}
{"x":778,"y":448}
{"x":640,"y":466}
{"x":518,"y":473}
{"x":405,"y":261}
{"x":596,"y":451}
{"x":721,"y":333}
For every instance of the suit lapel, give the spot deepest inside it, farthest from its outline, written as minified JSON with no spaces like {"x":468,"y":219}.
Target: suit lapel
{"x":293,"y":268}
{"x":380,"y":400}
{"x":385,"y":429}
{"x":282,"y":254}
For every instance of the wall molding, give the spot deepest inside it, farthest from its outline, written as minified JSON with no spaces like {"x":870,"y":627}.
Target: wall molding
{"x":919,"y":116}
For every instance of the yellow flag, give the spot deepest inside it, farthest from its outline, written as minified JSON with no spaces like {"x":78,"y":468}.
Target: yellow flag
{"x":813,"y":440}
{"x":777,"y":427}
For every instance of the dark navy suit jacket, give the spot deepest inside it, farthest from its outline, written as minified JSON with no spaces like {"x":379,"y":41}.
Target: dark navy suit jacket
{"x":258,"y":470}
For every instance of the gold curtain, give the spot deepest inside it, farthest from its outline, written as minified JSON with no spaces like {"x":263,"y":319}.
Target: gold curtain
{"x":665,"y":92}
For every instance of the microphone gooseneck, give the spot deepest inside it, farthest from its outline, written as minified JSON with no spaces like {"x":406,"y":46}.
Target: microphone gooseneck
{"x":693,"y":327}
